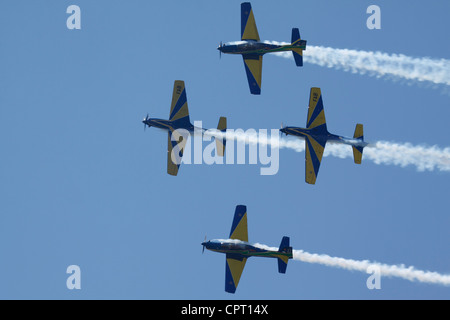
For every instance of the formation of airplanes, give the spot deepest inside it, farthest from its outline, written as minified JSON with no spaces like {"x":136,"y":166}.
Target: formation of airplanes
{"x":237,"y":248}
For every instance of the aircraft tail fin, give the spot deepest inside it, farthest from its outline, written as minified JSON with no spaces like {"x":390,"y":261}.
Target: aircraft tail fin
{"x":297,"y":52}
{"x":286,"y":251}
{"x":358,"y":151}
{"x":221,"y":143}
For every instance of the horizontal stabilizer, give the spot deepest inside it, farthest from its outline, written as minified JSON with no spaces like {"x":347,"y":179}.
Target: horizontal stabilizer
{"x":358,"y":151}
{"x":286,"y":250}
{"x":282,"y":265}
{"x":298,"y":57}
{"x":221,"y":143}
{"x":359,"y":132}
{"x":295,"y":36}
{"x":357,"y":154}
{"x":298,"y":53}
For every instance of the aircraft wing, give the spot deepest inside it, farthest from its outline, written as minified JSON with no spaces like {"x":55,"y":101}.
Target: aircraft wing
{"x":253,"y":68}
{"x":175,"y":148}
{"x":316,"y":114}
{"x":233,"y":271}
{"x":248,"y":24}
{"x":179,"y":107}
{"x":239,"y":229}
{"x":313,"y":157}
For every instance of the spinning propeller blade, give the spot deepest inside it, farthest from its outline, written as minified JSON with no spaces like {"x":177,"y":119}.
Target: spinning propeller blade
{"x":145,"y":121}
{"x":204,"y":245}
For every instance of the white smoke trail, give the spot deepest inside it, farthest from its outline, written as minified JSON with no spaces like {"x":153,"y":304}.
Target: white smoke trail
{"x":403,"y":155}
{"x":378,"y":64}
{"x":400,"y":271}
{"x":252,"y":137}
{"x":424,"y":158}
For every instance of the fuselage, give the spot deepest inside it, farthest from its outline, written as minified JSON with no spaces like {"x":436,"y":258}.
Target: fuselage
{"x":257,"y":48}
{"x":242,"y":249}
{"x":171,"y":125}
{"x":323,"y":136}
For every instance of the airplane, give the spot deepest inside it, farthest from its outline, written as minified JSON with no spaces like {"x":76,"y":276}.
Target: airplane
{"x":252,"y":50}
{"x":178,"y":124}
{"x":238,"y":250}
{"x":316,"y":136}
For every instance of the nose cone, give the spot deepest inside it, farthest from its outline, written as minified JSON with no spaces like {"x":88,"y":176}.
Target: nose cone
{"x":283,"y":130}
{"x":145,"y":121}
{"x":205,"y":245}
{"x":222,"y":47}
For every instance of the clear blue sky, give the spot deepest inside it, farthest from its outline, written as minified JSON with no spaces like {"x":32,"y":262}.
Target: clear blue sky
{"x":82,"y":183}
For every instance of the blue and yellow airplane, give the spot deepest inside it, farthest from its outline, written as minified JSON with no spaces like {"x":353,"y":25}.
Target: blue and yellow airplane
{"x":238,"y":250}
{"x":178,"y":124}
{"x":252,"y":50}
{"x":316,"y":136}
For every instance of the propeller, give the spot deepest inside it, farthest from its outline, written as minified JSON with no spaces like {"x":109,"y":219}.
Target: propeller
{"x":282,"y":127}
{"x":220,"y":51}
{"x":145,"y":121}
{"x":203,"y":245}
